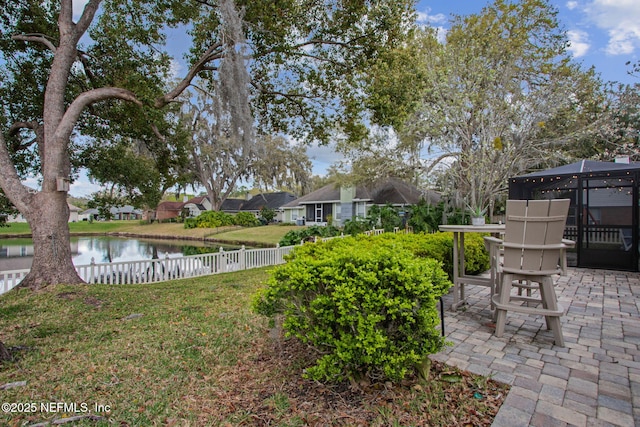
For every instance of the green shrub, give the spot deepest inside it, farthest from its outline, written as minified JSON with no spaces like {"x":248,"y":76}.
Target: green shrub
{"x":267,"y":214}
{"x":358,"y":225}
{"x":213,"y":219}
{"x":190,"y":223}
{"x":440,"y":246}
{"x":366,"y":304}
{"x":424,"y":217}
{"x":246,"y":219}
{"x":294,"y":237}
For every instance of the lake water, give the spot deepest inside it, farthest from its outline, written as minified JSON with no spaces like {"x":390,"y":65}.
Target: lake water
{"x":17,"y":254}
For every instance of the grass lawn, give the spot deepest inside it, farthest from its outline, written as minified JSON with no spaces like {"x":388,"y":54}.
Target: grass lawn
{"x":191,"y":352}
{"x":270,"y":234}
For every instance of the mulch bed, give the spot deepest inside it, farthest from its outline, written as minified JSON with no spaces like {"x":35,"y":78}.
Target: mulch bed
{"x":267,"y":388}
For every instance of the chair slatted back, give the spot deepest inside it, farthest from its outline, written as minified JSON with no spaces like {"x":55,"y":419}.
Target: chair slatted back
{"x":533,"y":235}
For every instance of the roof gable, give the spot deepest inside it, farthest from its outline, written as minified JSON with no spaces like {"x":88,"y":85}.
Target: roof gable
{"x":197,"y":200}
{"x":328,"y":193}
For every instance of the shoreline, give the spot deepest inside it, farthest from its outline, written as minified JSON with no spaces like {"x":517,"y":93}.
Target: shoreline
{"x":154,"y":236}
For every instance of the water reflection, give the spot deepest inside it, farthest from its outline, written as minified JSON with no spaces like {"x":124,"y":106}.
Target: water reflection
{"x":17,"y":254}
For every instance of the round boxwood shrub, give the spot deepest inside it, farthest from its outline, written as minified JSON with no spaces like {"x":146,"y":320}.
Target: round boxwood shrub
{"x":246,"y":219}
{"x":367,"y":306}
{"x":213,"y":219}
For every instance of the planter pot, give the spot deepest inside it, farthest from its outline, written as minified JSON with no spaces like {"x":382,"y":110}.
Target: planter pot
{"x":477,"y":220}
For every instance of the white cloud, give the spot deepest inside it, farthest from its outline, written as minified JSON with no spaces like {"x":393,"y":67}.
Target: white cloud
{"x":426,"y":18}
{"x":578,"y":42}
{"x":572,"y":5}
{"x":621,"y":20}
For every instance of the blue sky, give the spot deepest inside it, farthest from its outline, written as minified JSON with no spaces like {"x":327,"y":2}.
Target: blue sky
{"x":602,"y":33}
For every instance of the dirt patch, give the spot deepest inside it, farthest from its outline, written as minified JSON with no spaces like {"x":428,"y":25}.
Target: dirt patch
{"x":69,"y":296}
{"x":87,"y":299}
{"x":92,"y":301}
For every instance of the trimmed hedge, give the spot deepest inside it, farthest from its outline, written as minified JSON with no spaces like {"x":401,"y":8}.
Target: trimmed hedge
{"x":294,"y":237}
{"x":366,"y":304}
{"x":246,"y":219}
{"x":440,"y":246}
{"x":214,"y":219}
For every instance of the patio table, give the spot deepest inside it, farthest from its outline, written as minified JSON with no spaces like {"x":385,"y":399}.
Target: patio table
{"x":460,"y":279}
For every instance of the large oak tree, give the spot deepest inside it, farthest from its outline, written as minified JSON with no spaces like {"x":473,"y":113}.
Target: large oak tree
{"x":68,"y":82}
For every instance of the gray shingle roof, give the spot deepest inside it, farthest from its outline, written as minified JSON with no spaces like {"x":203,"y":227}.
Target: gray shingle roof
{"x":232,"y":205}
{"x":391,"y":191}
{"x":269,"y":200}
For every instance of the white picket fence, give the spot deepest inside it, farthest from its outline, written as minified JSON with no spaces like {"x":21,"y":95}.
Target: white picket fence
{"x":159,"y":270}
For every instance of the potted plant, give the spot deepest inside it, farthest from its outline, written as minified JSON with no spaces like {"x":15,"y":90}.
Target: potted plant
{"x":477,"y":214}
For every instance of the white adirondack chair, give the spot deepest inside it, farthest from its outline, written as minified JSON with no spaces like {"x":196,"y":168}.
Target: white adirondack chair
{"x":531,"y":252}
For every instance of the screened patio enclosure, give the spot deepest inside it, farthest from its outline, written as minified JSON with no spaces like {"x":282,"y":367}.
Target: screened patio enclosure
{"x":604,"y":213}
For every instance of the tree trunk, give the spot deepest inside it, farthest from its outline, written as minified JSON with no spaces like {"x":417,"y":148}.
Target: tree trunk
{"x":52,"y":264}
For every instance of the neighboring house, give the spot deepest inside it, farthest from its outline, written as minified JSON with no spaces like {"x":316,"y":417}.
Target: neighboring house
{"x":197,"y":205}
{"x":273,"y":201}
{"x":126,"y":212}
{"x":91,"y":214}
{"x":74,"y":213}
{"x":343,"y":203}
{"x":168,"y":210}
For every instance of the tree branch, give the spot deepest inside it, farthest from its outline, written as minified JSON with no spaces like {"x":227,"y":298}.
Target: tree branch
{"x":38,"y":38}
{"x":85,"y":99}
{"x":427,"y":170}
{"x":214,"y":52}
{"x":33,"y":125}
{"x":88,"y":14}
{"x":10,"y":181}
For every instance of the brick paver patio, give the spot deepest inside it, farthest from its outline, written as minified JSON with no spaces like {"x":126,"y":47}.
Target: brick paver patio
{"x":593,"y":381}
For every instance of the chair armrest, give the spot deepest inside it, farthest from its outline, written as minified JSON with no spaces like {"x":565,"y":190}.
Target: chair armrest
{"x":569,"y":243}
{"x":490,"y":241}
